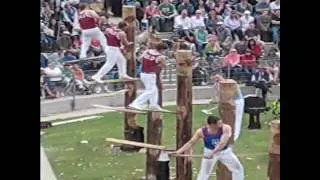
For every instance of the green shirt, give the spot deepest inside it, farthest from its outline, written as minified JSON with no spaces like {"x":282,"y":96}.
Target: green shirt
{"x":201,"y":36}
{"x":167,"y":9}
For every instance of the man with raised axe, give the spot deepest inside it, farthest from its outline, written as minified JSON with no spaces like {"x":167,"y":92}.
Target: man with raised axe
{"x":115,"y":38}
{"x":152,"y":62}
{"x":88,"y":20}
{"x":238,"y":100}
{"x":216,"y":136}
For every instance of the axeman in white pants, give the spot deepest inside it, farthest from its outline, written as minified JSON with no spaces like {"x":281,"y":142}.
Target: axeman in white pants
{"x":215,"y":136}
{"x":152,"y":61}
{"x":116,"y":38}
{"x":238,"y":101}
{"x":88,"y":20}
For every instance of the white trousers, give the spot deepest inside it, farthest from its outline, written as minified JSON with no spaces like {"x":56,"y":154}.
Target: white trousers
{"x":114,"y":56}
{"x":228,"y":158}
{"x":150,"y":93}
{"x":86,"y":38}
{"x":238,"y":120}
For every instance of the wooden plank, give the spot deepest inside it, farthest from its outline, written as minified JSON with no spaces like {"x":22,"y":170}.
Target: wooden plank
{"x":133,"y":143}
{"x":160,"y":111}
{"x":120,"y":109}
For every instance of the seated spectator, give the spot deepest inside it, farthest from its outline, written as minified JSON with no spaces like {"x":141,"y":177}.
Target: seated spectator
{"x":212,"y":49}
{"x":224,"y":36}
{"x":233,"y":23}
{"x":241,"y":46}
{"x":275,"y":6}
{"x":275,"y":26}
{"x":182,"y":24}
{"x":139,"y":14}
{"x":68,"y":56}
{"x":152,"y":14}
{"x":197,"y":21}
{"x":242,"y":6}
{"x":199,"y":72}
{"x":231,"y":64}
{"x":203,"y":7}
{"x":227,"y":11}
{"x":201,"y":36}
{"x":53,"y":24}
{"x":251,"y":32}
{"x":186,"y":5}
{"x":167,"y":12}
{"x":220,"y":7}
{"x":263,"y":25}
{"x":254,"y":48}
{"x":212,"y":20}
{"x":245,"y":20}
{"x":54,"y":75}
{"x":70,"y":16}
{"x":78,"y":76}
{"x":43,"y":61}
{"x":210,"y":4}
{"x":65,"y":42}
{"x":248,"y":63}
{"x":262,"y":6}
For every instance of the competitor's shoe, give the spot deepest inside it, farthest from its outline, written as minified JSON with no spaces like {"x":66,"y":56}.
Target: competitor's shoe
{"x":126,"y":77}
{"x":133,"y":106}
{"x":98,"y":80}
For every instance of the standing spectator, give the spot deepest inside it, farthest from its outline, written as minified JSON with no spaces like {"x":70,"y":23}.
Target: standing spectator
{"x":254,"y":48}
{"x":233,"y":23}
{"x":64,"y":42}
{"x":242,"y":6}
{"x":263,"y":25}
{"x":275,"y":26}
{"x":245,"y":20}
{"x":186,"y":5}
{"x":167,"y":12}
{"x":152,"y":14}
{"x":262,"y":6}
{"x":274,"y":6}
{"x":251,"y":31}
{"x":70,"y":16}
{"x":201,"y":36}
{"x":224,"y":36}
{"x":182,"y":24}
{"x":197,"y":21}
{"x":212,"y":20}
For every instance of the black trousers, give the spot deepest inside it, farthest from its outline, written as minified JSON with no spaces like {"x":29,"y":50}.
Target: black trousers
{"x":237,"y":32}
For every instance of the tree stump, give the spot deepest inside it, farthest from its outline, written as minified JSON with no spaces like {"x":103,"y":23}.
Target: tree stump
{"x":228,"y":89}
{"x":128,"y":14}
{"x":154,"y":133}
{"x":274,"y":151}
{"x":184,"y":111}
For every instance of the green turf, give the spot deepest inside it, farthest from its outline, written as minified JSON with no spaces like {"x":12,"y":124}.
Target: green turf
{"x":93,"y":161}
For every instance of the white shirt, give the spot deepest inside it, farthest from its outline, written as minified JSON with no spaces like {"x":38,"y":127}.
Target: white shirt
{"x":274,"y":6}
{"x":184,"y":22}
{"x":54,"y":74}
{"x":245,"y":21}
{"x":232,"y":23}
{"x":197,"y":22}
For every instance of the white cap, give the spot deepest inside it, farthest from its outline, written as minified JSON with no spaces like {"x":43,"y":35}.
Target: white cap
{"x":219,"y":22}
{"x":247,"y":12}
{"x":66,"y":33}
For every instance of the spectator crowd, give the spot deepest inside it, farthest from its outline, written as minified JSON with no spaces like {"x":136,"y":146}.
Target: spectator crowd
{"x":227,"y":36}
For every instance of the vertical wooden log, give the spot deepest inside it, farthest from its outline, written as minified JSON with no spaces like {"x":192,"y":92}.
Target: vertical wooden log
{"x":184,"y":110}
{"x":154,"y":132}
{"x":228,"y":89}
{"x":128,"y":15}
{"x":274,"y":151}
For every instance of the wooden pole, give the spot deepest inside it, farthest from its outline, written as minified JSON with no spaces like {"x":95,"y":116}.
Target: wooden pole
{"x":274,"y":151}
{"x":228,"y":89}
{"x":184,"y":111}
{"x":154,"y":132}
{"x":128,"y":15}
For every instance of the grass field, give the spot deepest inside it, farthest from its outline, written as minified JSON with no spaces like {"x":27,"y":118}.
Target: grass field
{"x":93,"y":161}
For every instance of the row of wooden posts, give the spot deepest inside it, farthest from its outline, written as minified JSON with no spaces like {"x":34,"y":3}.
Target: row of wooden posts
{"x":184,"y":118}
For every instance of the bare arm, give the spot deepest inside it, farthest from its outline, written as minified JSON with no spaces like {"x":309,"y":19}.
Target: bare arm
{"x":227,"y":133}
{"x":162,"y":61}
{"x":123,"y":39}
{"x":94,"y":15}
{"x":191,"y":142}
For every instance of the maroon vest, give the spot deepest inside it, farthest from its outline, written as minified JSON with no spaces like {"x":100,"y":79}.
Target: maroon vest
{"x":149,"y":64}
{"x":112,"y":38}
{"x":86,"y":22}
